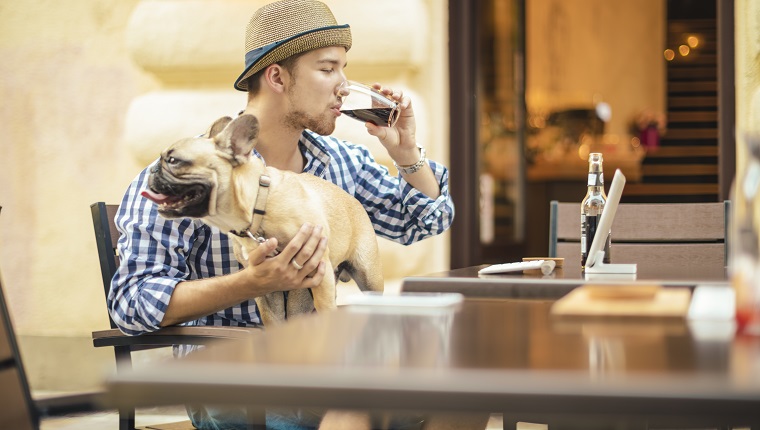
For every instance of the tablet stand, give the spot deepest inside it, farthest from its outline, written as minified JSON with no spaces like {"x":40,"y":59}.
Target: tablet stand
{"x":598,"y":267}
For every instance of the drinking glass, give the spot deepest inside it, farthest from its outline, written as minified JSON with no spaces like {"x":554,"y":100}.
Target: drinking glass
{"x":366,"y":104}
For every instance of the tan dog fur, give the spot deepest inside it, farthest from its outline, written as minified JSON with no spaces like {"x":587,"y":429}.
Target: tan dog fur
{"x":222,"y":165}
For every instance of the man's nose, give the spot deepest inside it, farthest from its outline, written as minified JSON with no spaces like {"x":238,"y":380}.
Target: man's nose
{"x":343,"y":88}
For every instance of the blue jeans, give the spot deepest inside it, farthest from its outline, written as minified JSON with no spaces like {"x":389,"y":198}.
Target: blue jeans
{"x":236,"y":418}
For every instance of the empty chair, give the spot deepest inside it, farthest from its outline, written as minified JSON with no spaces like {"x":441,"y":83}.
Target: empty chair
{"x":652,"y":235}
{"x":18,"y":410}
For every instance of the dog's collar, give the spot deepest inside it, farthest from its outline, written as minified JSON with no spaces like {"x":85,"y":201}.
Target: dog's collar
{"x":259,"y":210}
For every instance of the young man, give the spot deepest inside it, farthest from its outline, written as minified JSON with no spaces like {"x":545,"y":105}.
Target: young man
{"x":184,"y":272}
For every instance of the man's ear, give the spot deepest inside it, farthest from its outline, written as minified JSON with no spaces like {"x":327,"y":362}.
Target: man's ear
{"x":275,"y":76}
{"x":238,"y":138}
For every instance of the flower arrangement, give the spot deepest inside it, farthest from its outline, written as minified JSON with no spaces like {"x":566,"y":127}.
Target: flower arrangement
{"x":647,"y":120}
{"x":647,"y":127}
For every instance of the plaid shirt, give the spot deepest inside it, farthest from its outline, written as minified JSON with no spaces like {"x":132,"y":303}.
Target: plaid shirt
{"x":157,"y":254}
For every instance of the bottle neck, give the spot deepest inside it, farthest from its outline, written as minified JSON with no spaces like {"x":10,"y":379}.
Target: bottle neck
{"x":595,"y":181}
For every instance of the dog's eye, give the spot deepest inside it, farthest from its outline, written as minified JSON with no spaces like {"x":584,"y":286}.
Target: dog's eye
{"x":171,"y":160}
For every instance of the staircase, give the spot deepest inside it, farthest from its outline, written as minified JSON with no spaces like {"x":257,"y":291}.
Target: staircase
{"x":685,"y":166}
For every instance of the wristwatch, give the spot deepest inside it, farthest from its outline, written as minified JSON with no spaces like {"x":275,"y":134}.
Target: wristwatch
{"x":407,"y":170}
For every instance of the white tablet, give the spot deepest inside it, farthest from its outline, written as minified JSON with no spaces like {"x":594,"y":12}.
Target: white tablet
{"x":608,"y":215}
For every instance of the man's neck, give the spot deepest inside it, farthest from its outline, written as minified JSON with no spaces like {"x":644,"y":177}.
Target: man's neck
{"x":277,"y":143}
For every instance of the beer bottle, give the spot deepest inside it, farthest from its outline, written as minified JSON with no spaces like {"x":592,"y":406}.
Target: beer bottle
{"x":592,"y":207}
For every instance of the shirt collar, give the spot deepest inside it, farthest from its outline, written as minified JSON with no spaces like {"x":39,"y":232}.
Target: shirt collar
{"x":317,"y":156}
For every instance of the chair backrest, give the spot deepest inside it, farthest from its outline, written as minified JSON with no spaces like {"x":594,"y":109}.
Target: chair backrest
{"x":650,"y":234}
{"x":106,"y":236}
{"x":17,"y":410}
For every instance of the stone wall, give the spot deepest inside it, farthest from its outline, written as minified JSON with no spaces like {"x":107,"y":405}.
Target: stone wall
{"x":66,"y":82}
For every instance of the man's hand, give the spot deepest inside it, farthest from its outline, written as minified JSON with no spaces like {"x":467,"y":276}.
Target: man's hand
{"x":401,"y":143}
{"x":399,"y":140}
{"x":200,"y":297}
{"x":299,"y":265}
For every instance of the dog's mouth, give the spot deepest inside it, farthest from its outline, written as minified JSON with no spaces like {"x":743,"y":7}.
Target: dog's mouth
{"x":175,"y":201}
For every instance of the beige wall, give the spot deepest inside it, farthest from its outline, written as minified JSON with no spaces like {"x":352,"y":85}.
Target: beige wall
{"x":66,"y":82}
{"x":93,"y":90}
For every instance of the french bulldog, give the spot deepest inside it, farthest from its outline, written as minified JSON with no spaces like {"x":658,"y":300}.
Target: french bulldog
{"x":217,"y":179}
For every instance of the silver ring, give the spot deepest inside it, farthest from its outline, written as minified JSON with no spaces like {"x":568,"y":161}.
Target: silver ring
{"x":296,"y":265}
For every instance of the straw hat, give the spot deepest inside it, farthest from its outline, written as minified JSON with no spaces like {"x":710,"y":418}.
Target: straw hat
{"x":288,"y":27}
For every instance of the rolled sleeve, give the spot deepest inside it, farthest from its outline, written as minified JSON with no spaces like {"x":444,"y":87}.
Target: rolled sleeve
{"x":436,"y":214}
{"x":399,"y":211}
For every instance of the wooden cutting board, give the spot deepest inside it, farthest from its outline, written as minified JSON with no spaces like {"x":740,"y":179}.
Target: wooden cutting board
{"x":631,"y":301}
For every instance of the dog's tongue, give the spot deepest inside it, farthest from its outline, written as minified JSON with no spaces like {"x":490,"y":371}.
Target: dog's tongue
{"x":155,"y":197}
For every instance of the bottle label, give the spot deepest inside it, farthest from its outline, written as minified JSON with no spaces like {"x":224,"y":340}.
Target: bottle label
{"x":588,"y":231}
{"x":583,"y":236}
{"x":595,"y":179}
{"x":589,"y":224}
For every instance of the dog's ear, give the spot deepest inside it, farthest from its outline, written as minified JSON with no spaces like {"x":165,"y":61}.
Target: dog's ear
{"x":239,"y":137}
{"x":218,"y":126}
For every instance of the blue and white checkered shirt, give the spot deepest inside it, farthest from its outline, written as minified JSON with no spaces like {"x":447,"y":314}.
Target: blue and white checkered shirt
{"x":157,"y":254}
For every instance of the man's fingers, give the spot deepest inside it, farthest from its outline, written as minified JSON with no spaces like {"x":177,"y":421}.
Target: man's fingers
{"x":295,"y":244}
{"x":372,"y":129}
{"x":316,"y":257}
{"x":315,"y":278}
{"x":303,"y":255}
{"x":300,"y":264}
{"x":260,"y":253}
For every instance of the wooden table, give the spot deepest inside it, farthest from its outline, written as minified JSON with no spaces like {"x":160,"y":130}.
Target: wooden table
{"x":489,"y":356}
{"x":467,"y":281}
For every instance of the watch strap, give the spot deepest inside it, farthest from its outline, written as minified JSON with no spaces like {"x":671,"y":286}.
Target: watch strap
{"x":412,"y":168}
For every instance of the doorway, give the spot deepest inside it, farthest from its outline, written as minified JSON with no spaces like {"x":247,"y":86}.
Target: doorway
{"x":502,"y":178}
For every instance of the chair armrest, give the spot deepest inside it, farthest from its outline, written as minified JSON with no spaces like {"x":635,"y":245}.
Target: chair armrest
{"x":58,"y":405}
{"x":177,"y":335}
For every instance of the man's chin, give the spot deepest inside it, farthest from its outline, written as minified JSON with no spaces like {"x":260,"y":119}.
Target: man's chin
{"x":326,"y":131}
{"x":323,"y":127}
{"x":300,"y":121}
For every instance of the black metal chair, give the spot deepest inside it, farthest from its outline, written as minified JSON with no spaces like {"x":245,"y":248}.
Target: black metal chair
{"x":106,"y":237}
{"x":18,"y":410}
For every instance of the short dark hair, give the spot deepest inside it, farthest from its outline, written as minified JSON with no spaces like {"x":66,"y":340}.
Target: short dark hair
{"x":253,"y":82}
